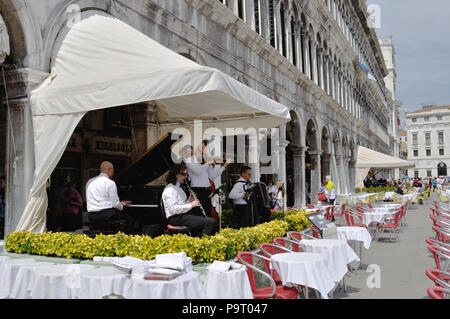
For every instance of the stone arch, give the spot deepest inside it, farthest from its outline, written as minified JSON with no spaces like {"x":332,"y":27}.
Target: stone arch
{"x":294,"y":130}
{"x":312,"y":134}
{"x":24,"y":35}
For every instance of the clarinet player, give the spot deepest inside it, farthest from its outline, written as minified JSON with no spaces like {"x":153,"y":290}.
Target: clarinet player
{"x":179,"y":209}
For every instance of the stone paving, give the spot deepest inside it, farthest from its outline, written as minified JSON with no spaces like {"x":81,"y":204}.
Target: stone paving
{"x":402,"y":264}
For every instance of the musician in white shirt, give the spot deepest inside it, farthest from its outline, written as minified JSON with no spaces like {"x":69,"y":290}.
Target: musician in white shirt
{"x":178,"y":208}
{"x":103,"y":202}
{"x":201,"y":175}
{"x":241,"y":212}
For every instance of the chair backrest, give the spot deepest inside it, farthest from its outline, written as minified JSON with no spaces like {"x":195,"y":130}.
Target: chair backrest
{"x":246,"y":257}
{"x":315,"y":231}
{"x":437,"y":253}
{"x":310,"y":206}
{"x":295,"y":235}
{"x":164,"y":220}
{"x":438,"y":276}
{"x":437,"y":292}
{"x":268,"y":250}
{"x":329,"y":213}
{"x":283,"y":242}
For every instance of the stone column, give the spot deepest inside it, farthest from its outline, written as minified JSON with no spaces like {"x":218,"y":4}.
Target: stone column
{"x":250,"y":14}
{"x":19,"y":143}
{"x":298,"y":46}
{"x":278,"y":38}
{"x":253,"y":156}
{"x":314,"y":61}
{"x":306,"y":54}
{"x":316,"y":181}
{"x":326,"y":168}
{"x":299,"y":176}
{"x":352,"y":174}
{"x":320,"y":67}
{"x":340,"y":165}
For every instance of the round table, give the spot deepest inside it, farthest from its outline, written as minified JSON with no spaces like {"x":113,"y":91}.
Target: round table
{"x":338,"y":252}
{"x":305,"y":269}
{"x":101,"y":282}
{"x":232,"y":284}
{"x":187,"y":286}
{"x":3,"y":259}
{"x":58,"y":282}
{"x":25,"y":279}
{"x":8,"y":273}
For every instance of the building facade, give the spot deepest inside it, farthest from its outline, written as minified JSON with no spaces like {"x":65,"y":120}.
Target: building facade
{"x":429,"y":141}
{"x":306,"y":55}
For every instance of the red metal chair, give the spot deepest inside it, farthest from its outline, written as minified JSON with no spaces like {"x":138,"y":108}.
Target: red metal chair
{"x":329,"y":214}
{"x":295,"y":235}
{"x":442,"y":234}
{"x":439,"y":277}
{"x":310,"y":206}
{"x":273,"y":291}
{"x":350,"y":219}
{"x":268,"y":250}
{"x":391,"y":225}
{"x":315,"y":231}
{"x":295,"y":247}
{"x":437,"y":292}
{"x":438,"y":253}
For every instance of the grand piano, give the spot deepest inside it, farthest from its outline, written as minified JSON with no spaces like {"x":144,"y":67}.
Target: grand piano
{"x":139,"y":182}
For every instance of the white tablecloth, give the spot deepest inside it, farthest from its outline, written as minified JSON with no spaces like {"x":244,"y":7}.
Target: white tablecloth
{"x":25,"y":279}
{"x":376,"y":217}
{"x":3,"y":259}
{"x":58,"y":282}
{"x":338,"y":252}
{"x":306,"y":269}
{"x":360,"y":234}
{"x":187,"y":286}
{"x":232,"y":284}
{"x":102,"y":282}
{"x":8,"y":273}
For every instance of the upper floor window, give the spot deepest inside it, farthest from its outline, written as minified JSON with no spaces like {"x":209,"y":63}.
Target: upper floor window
{"x":441,"y":137}
{"x":439,"y":118}
{"x":426,"y":118}
{"x":427,"y":138}
{"x":414,"y":120}
{"x":414,"y":136}
{"x":428,"y":152}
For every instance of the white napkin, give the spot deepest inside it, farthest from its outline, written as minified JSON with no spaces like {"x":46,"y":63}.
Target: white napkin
{"x":221,"y":266}
{"x":176,"y":261}
{"x":161,"y":271}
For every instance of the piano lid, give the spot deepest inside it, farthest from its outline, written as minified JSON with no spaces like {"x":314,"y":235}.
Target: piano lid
{"x":152,"y":165}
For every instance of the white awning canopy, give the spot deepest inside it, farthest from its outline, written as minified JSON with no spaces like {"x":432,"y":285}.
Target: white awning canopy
{"x":368,"y":159}
{"x":102,"y":62}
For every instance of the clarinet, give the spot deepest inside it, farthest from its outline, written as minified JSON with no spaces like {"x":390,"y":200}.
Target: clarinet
{"x":192,"y":193}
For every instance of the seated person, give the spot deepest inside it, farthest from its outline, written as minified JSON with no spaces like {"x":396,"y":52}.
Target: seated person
{"x":399,"y":190}
{"x":103,"y":202}
{"x":178,"y":207}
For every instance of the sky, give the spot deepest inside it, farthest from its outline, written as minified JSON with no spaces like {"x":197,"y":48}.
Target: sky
{"x":421,"y":34}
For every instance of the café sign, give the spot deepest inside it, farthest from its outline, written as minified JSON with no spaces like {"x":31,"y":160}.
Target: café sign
{"x":100,"y":145}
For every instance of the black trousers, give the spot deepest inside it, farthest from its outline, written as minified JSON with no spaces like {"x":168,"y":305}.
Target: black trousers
{"x":112,"y":214}
{"x":203,"y":196}
{"x":242,"y":216}
{"x":203,"y":225}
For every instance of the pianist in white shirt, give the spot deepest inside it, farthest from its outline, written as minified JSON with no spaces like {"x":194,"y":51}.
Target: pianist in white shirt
{"x":201,"y":175}
{"x":241,"y":211}
{"x":178,"y":207}
{"x":103,"y":204}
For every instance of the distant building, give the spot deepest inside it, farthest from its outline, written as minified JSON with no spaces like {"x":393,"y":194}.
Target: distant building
{"x":429,"y":141}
